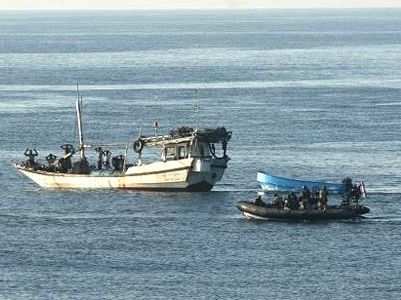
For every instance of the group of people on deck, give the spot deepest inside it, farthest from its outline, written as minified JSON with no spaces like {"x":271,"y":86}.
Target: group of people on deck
{"x":305,"y":200}
{"x":317,"y":199}
{"x":64,"y":164}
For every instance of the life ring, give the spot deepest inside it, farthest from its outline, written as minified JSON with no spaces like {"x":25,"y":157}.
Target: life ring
{"x":138,"y":146}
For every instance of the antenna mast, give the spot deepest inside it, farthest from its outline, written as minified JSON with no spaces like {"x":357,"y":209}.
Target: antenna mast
{"x":77,"y":91}
{"x":197,"y":108}
{"x":78,"y":107}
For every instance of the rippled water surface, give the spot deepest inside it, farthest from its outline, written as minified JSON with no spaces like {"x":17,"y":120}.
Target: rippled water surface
{"x":307,"y":94}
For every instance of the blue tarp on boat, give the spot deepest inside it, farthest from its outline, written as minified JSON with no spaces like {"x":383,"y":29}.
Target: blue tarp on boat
{"x":280,"y":184}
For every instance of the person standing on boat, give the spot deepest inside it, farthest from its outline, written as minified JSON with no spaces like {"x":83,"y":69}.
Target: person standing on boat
{"x":278,"y":201}
{"x":314,"y":198}
{"x":106,"y":158}
{"x":31,"y":154}
{"x":355,"y":194}
{"x":66,"y":163}
{"x":292,"y":200}
{"x":99,"y":162}
{"x":323,"y":193}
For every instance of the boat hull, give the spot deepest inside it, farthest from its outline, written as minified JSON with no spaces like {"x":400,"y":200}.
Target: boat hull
{"x":273,"y":183}
{"x":167,"y":176}
{"x":268,"y":211}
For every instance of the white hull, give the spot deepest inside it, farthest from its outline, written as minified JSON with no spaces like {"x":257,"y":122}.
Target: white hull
{"x":185,"y":174}
{"x":252,"y":216}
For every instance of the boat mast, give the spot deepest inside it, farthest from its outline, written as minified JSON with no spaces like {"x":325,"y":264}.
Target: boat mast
{"x":197,"y":108}
{"x":78,"y":108}
{"x":125,"y":157}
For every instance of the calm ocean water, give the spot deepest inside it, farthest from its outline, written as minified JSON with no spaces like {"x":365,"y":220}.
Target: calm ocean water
{"x":307,"y":94}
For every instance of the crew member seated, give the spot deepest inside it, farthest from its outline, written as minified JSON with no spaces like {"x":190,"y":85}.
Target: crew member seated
{"x":355,"y":193}
{"x":314,"y":198}
{"x":31,"y":154}
{"x":292,"y":201}
{"x":259,"y":201}
{"x":346,"y":200}
{"x":304,"y":198}
{"x":51,"y":160}
{"x":352,"y":196}
{"x":62,"y":165}
{"x":278,"y":201}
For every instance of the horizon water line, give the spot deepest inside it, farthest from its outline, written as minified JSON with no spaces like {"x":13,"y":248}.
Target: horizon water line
{"x":394,"y":83}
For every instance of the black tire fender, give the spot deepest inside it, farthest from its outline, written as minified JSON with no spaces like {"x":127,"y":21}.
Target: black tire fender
{"x":138,"y":145}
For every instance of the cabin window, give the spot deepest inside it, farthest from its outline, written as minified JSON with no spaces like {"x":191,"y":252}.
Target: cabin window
{"x":182,"y":152}
{"x":170,"y":153}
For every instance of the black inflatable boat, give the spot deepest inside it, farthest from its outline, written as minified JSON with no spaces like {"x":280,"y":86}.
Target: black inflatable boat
{"x":268,"y":211}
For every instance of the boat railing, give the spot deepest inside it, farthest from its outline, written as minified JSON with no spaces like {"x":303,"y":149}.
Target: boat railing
{"x":163,"y":139}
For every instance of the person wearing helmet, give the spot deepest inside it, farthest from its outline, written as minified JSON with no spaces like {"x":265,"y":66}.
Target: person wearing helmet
{"x":304,"y":197}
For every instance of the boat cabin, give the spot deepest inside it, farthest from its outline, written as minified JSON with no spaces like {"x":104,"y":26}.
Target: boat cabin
{"x":189,"y":144}
{"x":185,"y":150}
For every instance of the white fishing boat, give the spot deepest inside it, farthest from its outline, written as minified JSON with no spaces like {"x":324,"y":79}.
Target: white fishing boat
{"x":189,"y":162}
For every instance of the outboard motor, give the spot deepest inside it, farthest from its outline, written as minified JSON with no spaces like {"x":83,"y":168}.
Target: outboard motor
{"x":363,"y":210}
{"x":118,"y":162}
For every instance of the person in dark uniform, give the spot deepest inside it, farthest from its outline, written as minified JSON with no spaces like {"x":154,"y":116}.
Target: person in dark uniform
{"x":304,"y":197}
{"x":259,"y":201}
{"x":355,"y":194}
{"x":292,"y":201}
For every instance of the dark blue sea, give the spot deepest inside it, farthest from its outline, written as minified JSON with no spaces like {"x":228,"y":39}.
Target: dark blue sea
{"x":309,"y":94}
